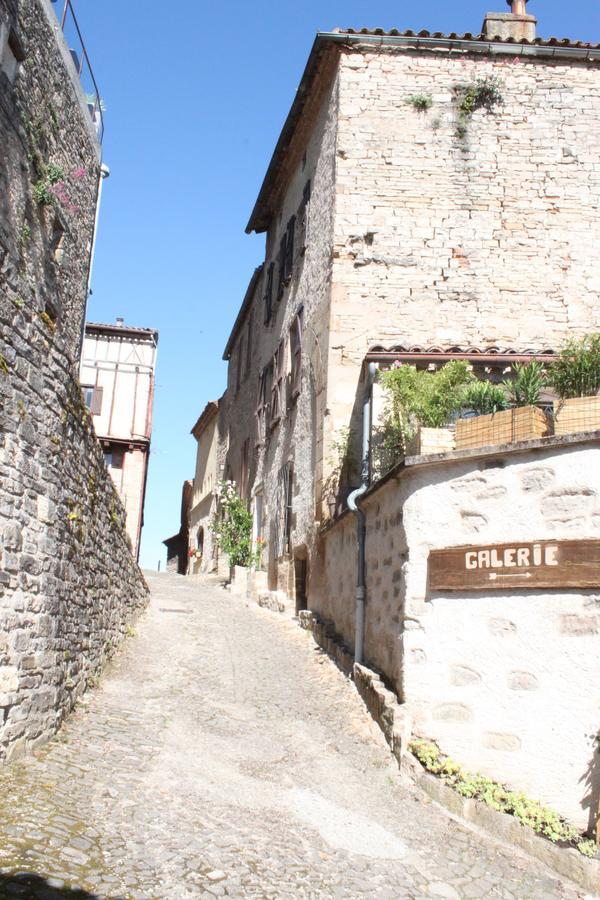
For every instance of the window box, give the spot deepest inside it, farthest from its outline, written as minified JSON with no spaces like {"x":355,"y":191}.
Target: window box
{"x":522,"y":424}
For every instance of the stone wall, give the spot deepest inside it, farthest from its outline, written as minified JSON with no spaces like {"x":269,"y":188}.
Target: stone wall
{"x":68,"y":582}
{"x":503,"y":680}
{"x":297,"y":438}
{"x":485,"y":239}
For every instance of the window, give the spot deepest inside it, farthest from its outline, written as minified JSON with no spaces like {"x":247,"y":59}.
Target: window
{"x":303,"y":219}
{"x":296,"y":354}
{"x":244,"y":468}
{"x":268,"y":298}
{"x":284,"y":510}
{"x":262,"y":405}
{"x":113,"y":458}
{"x":289,"y":249}
{"x":88,"y":394}
{"x":278,"y":367}
{"x":92,"y":397}
{"x":281,"y":261}
{"x":56,"y":241}
{"x":11,"y":53}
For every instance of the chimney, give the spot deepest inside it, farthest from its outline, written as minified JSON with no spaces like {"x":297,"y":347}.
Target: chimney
{"x":515,"y":25}
{"x":120,"y":320}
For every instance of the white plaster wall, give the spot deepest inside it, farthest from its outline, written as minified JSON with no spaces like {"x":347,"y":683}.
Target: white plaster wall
{"x":124,"y":369}
{"x":506,"y":682}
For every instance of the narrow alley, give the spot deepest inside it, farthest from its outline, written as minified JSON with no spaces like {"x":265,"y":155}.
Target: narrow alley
{"x":224,"y":755}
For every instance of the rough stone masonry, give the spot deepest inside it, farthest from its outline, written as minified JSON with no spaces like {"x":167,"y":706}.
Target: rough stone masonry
{"x":68,"y":582}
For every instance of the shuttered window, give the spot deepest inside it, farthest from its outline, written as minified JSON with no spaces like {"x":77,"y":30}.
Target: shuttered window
{"x":284,"y":510}
{"x":268,"y":298}
{"x":278,"y":366}
{"x":281,"y":261}
{"x":262,"y":405}
{"x":96,"y":407}
{"x":303,"y":219}
{"x":296,"y":355}
{"x":289,"y":249}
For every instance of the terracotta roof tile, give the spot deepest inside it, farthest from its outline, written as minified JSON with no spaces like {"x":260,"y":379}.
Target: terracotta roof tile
{"x":468,"y":36}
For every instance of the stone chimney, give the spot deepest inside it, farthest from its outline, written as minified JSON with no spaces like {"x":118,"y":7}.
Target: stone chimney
{"x":515,"y":25}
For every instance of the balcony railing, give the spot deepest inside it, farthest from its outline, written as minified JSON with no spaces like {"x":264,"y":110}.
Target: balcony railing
{"x":74,"y":39}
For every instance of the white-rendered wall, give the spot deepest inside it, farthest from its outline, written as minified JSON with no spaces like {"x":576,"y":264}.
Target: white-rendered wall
{"x":505,"y":681}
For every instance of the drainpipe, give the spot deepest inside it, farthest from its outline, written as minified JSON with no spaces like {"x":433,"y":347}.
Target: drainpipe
{"x":361,"y":520}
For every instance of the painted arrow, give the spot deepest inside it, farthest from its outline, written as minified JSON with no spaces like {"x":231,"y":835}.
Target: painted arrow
{"x":494,"y":575}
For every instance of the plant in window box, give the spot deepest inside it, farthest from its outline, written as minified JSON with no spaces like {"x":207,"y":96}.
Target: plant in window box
{"x":492,"y":421}
{"x":420,"y":404}
{"x":575,"y":376}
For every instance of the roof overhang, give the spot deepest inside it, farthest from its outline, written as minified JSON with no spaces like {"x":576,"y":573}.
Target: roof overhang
{"x":206,"y":416}
{"x":246,"y":303}
{"x":126,"y":331}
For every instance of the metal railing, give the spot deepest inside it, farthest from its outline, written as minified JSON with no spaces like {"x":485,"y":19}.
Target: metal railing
{"x":72,"y":33}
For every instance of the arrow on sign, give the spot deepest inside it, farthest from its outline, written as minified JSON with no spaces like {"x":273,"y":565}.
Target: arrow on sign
{"x":494,"y":575}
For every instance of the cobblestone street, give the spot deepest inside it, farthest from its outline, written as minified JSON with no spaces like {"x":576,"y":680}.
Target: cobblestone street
{"x":224,"y":755}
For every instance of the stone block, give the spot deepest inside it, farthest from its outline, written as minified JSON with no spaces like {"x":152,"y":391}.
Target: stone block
{"x":493,"y":740}
{"x":522,"y":681}
{"x":463,"y":675}
{"x":452,"y":712}
{"x":9,"y":679}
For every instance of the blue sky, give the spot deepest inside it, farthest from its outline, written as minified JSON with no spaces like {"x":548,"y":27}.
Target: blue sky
{"x":195,"y":97}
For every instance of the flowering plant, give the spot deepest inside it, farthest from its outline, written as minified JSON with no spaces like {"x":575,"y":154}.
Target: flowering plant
{"x":232,"y":526}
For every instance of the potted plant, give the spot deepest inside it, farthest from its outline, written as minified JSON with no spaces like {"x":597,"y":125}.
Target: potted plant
{"x":575,"y":376}
{"x":490,"y":418}
{"x":420,"y":405}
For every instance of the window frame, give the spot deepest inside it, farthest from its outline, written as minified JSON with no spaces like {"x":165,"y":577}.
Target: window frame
{"x":296,"y":336}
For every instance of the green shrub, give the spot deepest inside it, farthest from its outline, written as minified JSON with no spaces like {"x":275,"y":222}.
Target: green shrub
{"x":576,"y":371}
{"x":483,"y":398}
{"x":525,"y":387}
{"x":420,"y":102}
{"x":418,"y":397}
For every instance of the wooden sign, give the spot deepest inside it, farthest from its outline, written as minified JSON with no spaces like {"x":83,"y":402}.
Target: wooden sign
{"x":495,"y":567}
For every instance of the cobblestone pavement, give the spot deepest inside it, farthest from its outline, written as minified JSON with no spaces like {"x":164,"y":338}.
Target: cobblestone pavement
{"x":225,"y":755}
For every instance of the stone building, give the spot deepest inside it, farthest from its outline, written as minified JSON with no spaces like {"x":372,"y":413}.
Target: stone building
{"x":431,"y":197}
{"x":117,"y":380}
{"x":68,"y":581}
{"x":203,"y":551}
{"x":387,"y":223}
{"x":177,"y":544}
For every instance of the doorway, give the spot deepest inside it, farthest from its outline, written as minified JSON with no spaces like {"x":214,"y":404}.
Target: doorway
{"x":300,"y":580}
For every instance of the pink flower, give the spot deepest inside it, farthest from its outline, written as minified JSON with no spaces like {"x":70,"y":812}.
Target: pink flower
{"x":78,"y":173}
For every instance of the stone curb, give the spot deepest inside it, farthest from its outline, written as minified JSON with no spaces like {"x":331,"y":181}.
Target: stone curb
{"x":395,"y":721}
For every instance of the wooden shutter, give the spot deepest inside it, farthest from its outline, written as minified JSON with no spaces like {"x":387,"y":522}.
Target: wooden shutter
{"x":277,"y":385}
{"x":281,"y":260}
{"x":303,"y":214}
{"x":96,"y":406}
{"x":289,"y":248}
{"x":269,"y":294}
{"x":296,"y":354}
{"x":284,"y":510}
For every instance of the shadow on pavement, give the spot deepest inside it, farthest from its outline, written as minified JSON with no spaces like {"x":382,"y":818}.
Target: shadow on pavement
{"x":28,"y":886}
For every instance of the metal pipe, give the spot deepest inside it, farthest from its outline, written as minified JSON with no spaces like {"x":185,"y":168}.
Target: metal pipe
{"x":361,"y":521}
